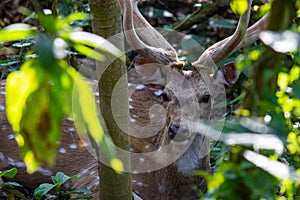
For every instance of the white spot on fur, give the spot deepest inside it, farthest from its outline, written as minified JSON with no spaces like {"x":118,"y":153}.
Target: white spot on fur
{"x":83,"y":171}
{"x":71,"y":129}
{"x":62,"y":150}
{"x":2,"y":107}
{"x":44,"y":171}
{"x":73,"y":146}
{"x":139,"y":184}
{"x":132,"y":120}
{"x":3,"y":128}
{"x":161,"y":188}
{"x":141,"y":159}
{"x":11,"y":136}
{"x":130,"y":99}
{"x":140,"y":87}
{"x":14,"y":163}
{"x":92,"y":172}
{"x":130,"y":106}
{"x":158,"y":92}
{"x":3,"y":92}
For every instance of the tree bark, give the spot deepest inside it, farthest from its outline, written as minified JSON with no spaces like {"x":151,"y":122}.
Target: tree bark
{"x":106,"y":19}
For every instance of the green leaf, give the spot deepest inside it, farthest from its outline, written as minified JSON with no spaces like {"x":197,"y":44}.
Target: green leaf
{"x":8,"y":173}
{"x":282,"y":42}
{"x":117,"y":165}
{"x":48,"y":22}
{"x":42,"y":190}
{"x":60,"y":178}
{"x":44,"y":47}
{"x":16,"y":32}
{"x":86,"y":116}
{"x":11,"y":184}
{"x":239,"y":6}
{"x":97,"y":42}
{"x":83,"y":191}
{"x":76,"y":16}
{"x":82,"y":49}
{"x":11,"y":191}
{"x":37,"y":125}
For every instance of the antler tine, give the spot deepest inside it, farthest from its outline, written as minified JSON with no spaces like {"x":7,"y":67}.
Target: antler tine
{"x":136,"y":26}
{"x":252,"y":33}
{"x":223,"y":48}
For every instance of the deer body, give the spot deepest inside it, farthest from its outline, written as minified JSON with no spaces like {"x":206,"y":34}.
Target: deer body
{"x":165,"y":183}
{"x":164,"y":117}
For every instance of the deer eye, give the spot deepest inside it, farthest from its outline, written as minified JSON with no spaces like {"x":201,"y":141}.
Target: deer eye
{"x":205,"y":98}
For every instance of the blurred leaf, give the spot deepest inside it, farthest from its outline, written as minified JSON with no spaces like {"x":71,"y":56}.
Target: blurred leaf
{"x":277,"y":169}
{"x":83,"y":191}
{"x":85,"y":115}
{"x":15,"y":32}
{"x":60,"y":178}
{"x":264,"y":9}
{"x":22,"y":44}
{"x":42,"y":190}
{"x":117,"y":165}
{"x":76,"y":16}
{"x":282,"y":42}
{"x":6,"y":63}
{"x":222,"y":23}
{"x":97,"y":42}
{"x":89,"y":52}
{"x":239,"y":6}
{"x":37,"y":125}
{"x":296,"y":89}
{"x":258,"y":141}
{"x":48,"y":22}
{"x":10,"y":173}
{"x":44,"y":47}
{"x":11,"y":184}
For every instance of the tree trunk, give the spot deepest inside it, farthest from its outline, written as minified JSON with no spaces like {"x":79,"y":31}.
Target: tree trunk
{"x":106,"y":18}
{"x":262,"y":86}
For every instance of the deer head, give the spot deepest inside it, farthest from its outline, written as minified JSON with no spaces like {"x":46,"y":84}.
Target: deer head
{"x":189,"y":98}
{"x":169,"y":114}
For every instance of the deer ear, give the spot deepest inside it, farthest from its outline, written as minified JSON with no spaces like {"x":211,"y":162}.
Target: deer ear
{"x":229,"y":73}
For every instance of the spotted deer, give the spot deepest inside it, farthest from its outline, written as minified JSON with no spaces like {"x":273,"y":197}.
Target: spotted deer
{"x":166,"y":116}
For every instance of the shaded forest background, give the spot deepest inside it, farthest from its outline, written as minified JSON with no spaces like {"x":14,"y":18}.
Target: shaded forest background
{"x":267,"y":93}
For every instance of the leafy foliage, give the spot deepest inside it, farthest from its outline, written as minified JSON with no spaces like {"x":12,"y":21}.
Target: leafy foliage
{"x":10,"y":188}
{"x":58,"y":180}
{"x":260,"y":148}
{"x":40,"y":94}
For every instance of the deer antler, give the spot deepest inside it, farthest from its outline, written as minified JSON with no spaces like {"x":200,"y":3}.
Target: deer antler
{"x":144,"y":39}
{"x":223,"y":48}
{"x":253,"y":31}
{"x":138,"y":31}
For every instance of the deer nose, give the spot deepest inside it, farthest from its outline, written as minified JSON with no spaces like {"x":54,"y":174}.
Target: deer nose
{"x":178,"y":133}
{"x":173,"y":130}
